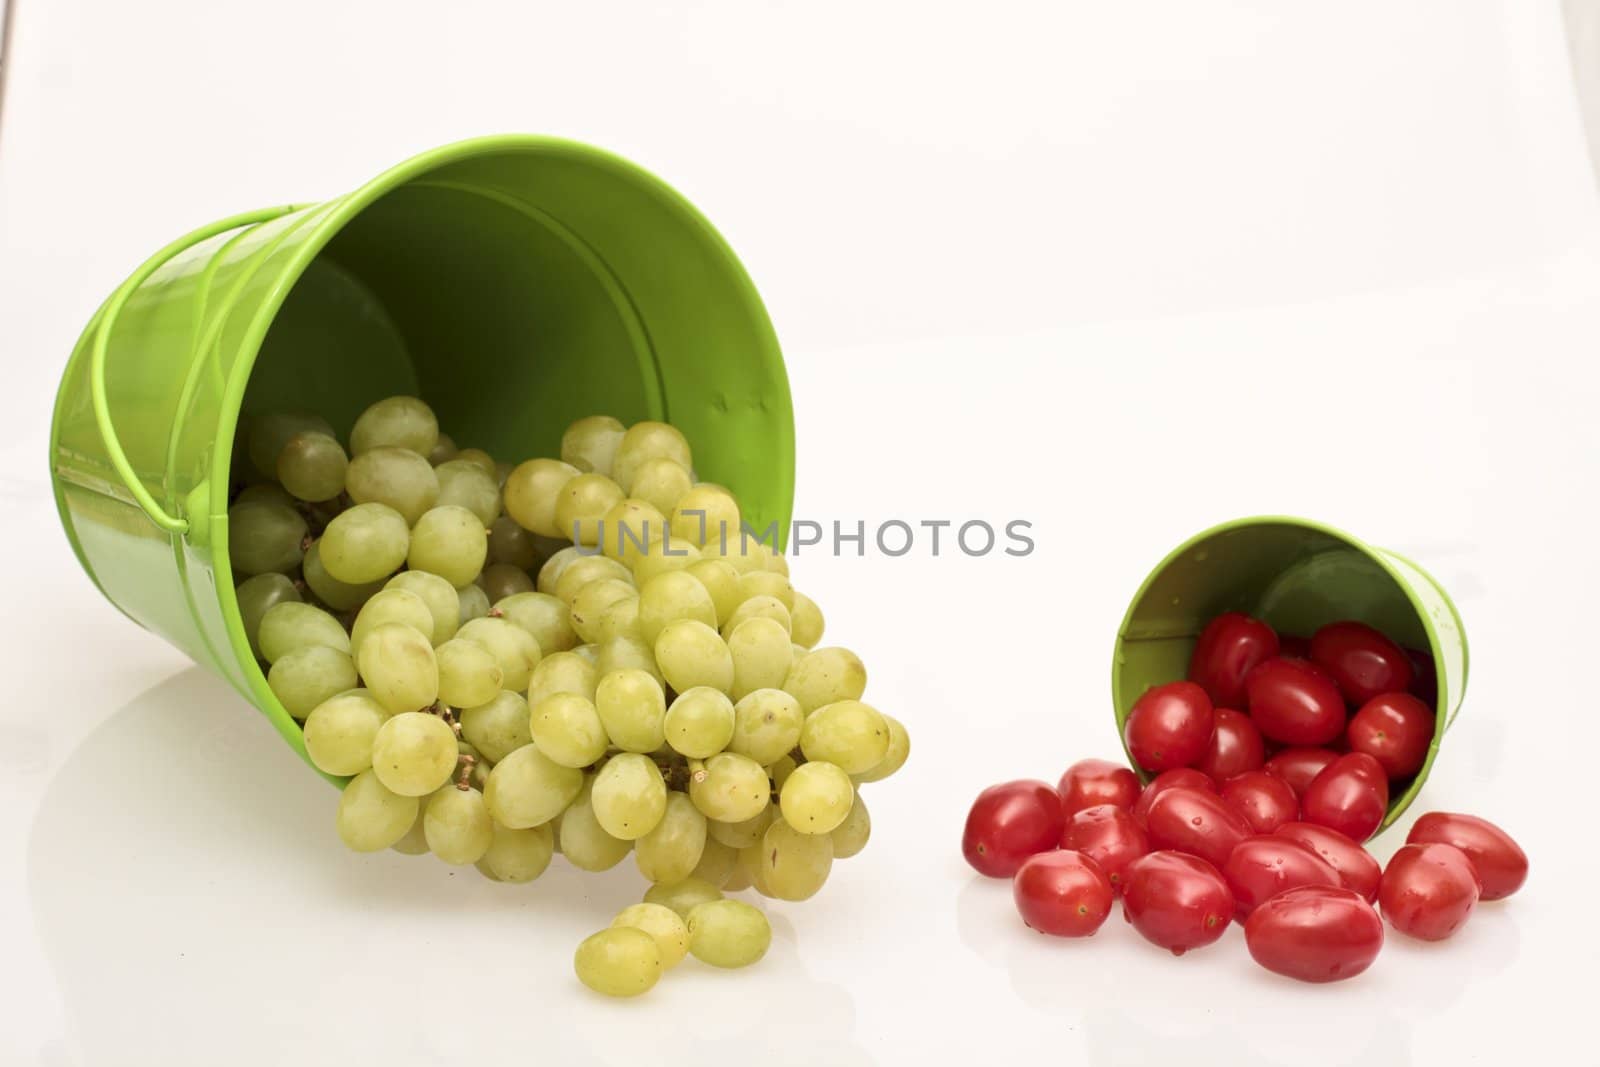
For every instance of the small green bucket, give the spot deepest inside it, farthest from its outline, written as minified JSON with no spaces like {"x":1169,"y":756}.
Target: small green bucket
{"x":1295,"y":575}
{"x":515,"y":282}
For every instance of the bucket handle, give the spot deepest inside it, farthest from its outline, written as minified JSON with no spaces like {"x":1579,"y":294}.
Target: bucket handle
{"x":172,"y":524}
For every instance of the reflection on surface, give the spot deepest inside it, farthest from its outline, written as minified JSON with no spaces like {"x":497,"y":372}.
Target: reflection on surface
{"x":195,"y":905}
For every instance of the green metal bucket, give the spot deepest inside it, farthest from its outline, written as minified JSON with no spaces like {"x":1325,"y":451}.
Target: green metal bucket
{"x":515,"y":282}
{"x":1295,"y":575}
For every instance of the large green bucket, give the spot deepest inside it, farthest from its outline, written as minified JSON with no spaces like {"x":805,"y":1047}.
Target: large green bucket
{"x":1295,"y":575}
{"x":515,"y":282}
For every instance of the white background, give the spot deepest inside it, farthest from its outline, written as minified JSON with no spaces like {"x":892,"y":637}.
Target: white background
{"x":1124,"y":270}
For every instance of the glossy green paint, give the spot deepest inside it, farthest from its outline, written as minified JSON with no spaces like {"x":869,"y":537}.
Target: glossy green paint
{"x":515,"y":282}
{"x":1296,"y":575}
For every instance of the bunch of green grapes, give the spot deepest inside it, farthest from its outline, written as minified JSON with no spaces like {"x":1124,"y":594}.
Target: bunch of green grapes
{"x":585,"y":655}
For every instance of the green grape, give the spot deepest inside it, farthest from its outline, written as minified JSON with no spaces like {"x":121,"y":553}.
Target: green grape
{"x":774,"y":561}
{"x":630,"y":796}
{"x":463,"y":483}
{"x":340,"y":731}
{"x":414,"y":753}
{"x":739,"y":877}
{"x":513,"y":646}
{"x":847,"y":732}
{"x":746,"y":832}
{"x":646,"y":441}
{"x":632,"y":708}
{"x":592,"y":602}
{"x":620,"y":618}
{"x":518,"y":855}
{"x":700,"y":722}
{"x":662,"y":559}
{"x":780,"y":770}
{"x":728,"y":933}
{"x":265,"y":537}
{"x":762,"y":655}
{"x":766,"y":725}
{"x":794,"y":865}
{"x":398,"y":666}
{"x":706,"y":514}
{"x":721,"y":581}
{"x":480,"y":459}
{"x":581,"y":505}
{"x":449,"y":541}
{"x":730,"y":787}
{"x":760,"y":607}
{"x":690,"y":654}
{"x":289,"y":625}
{"x":498,"y":727}
{"x":306,"y":677}
{"x":567,"y":728}
{"x":396,"y":477}
{"x":268,"y":434}
{"x":672,"y":596}
{"x":626,"y":652}
{"x":527,"y":788}
{"x":257,"y":596}
{"x":542,"y":615}
{"x":582,"y":571}
{"x":444,"y":604}
{"x":671,"y":851}
{"x":661,"y":923}
{"x":590,"y":444}
{"x":631,"y":529}
{"x":682,"y":897}
{"x":264,"y":493}
{"x":826,"y":676}
{"x":340,"y":596}
{"x":584,"y":842}
{"x":367,"y":543}
{"x":551,"y":570}
{"x":371,"y":817}
{"x":471,"y":602}
{"x":502,"y":580}
{"x":457,"y":826}
{"x":312,"y":466}
{"x":510,"y":543}
{"x":748,"y":873}
{"x":469,"y":676}
{"x":716,"y":862}
{"x":444,"y":450}
{"x":851,"y":835}
{"x":398,"y":606}
{"x":661,"y":483}
{"x":767,"y":583}
{"x":817,"y":797}
{"x":415,"y":841}
{"x":806,"y":621}
{"x":618,"y":962}
{"x":894,"y":757}
{"x":531,"y":492}
{"x":563,"y":672}
{"x":397,"y":422}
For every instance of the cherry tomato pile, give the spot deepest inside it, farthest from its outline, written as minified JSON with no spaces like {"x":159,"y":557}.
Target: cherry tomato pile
{"x":1254,"y":815}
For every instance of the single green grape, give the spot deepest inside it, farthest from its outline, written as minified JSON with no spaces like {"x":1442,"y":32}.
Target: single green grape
{"x":851,"y":835}
{"x":766,"y":725}
{"x":625,"y":652}
{"x":567,"y":728}
{"x":513,"y":646}
{"x":631,"y":529}
{"x":644,"y":441}
{"x":542,"y":615}
{"x":806,"y":623}
{"x":794,"y":865}
{"x":444,"y":450}
{"x":619,"y":962}
{"x":816,"y":797}
{"x":306,"y":677}
{"x":471,"y":602}
{"x":457,"y":826}
{"x":617,"y":619}
{"x":258,"y":595}
{"x":371,"y":816}
{"x":463,"y":483}
{"x":581,"y":505}
{"x":671,"y":851}
{"x":448,"y":541}
{"x":630,"y":796}
{"x":661,"y":923}
{"x":266,"y":435}
{"x":894,"y":757}
{"x":554,"y":566}
{"x":721,"y":581}
{"x":682,"y":897}
{"x":700,"y":722}
{"x":717,"y":861}
{"x":469,"y":676}
{"x":391,"y":605}
{"x":661,"y":483}
{"x":398,"y":665}
{"x":767,"y":583}
{"x":340,"y":596}
{"x":584,"y":842}
{"x":289,"y":625}
{"x":760,"y":607}
{"x":265,"y":537}
{"x":396,"y":477}
{"x":728,"y":933}
{"x":730,"y":787}
{"x":825,"y":676}
{"x":590,"y":444}
{"x":340,"y":731}
{"x":518,"y":855}
{"x":397,"y":422}
{"x":632,"y":708}
{"x":671,"y":596}
{"x":531,"y":491}
{"x":366,"y":543}
{"x":499,"y":727}
{"x":745,"y":832}
{"x":592,"y":602}
{"x":852,"y":734}
{"x":502,"y":580}
{"x":444,"y":604}
{"x":562,"y":672}
{"x":705,"y":515}
{"x":480,"y":459}
{"x":691,"y":654}
{"x":527,"y":788}
{"x":510,"y":543}
{"x":580,"y":572}
{"x":312,"y":466}
{"x":762,"y":655}
{"x":414,"y":753}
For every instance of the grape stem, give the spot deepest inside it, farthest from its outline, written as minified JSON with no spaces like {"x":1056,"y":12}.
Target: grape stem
{"x":464,"y":766}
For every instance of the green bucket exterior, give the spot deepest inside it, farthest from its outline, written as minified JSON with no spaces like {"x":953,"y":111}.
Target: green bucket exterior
{"x":1295,"y":575}
{"x":516,"y":282}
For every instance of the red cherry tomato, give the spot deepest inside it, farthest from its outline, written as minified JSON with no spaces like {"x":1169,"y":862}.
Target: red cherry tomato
{"x":1187,"y":820}
{"x":1360,"y":660}
{"x":1394,"y":729}
{"x":1169,"y":726}
{"x":1350,"y":795}
{"x":1298,"y":766}
{"x":1262,"y":867}
{"x":1226,"y":650}
{"x":1091,"y":782}
{"x":1235,"y":747}
{"x":1500,"y":863}
{"x":1292,"y":701}
{"x":1109,"y":836}
{"x":1265,"y":802}
{"x":1293,"y":646}
{"x":1062,"y":893}
{"x":1315,"y":934}
{"x":1176,"y":901}
{"x":1428,"y":890}
{"x":1177,"y":778}
{"x":1424,"y":676}
{"x":1357,"y":869}
{"x":1010,"y":822}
